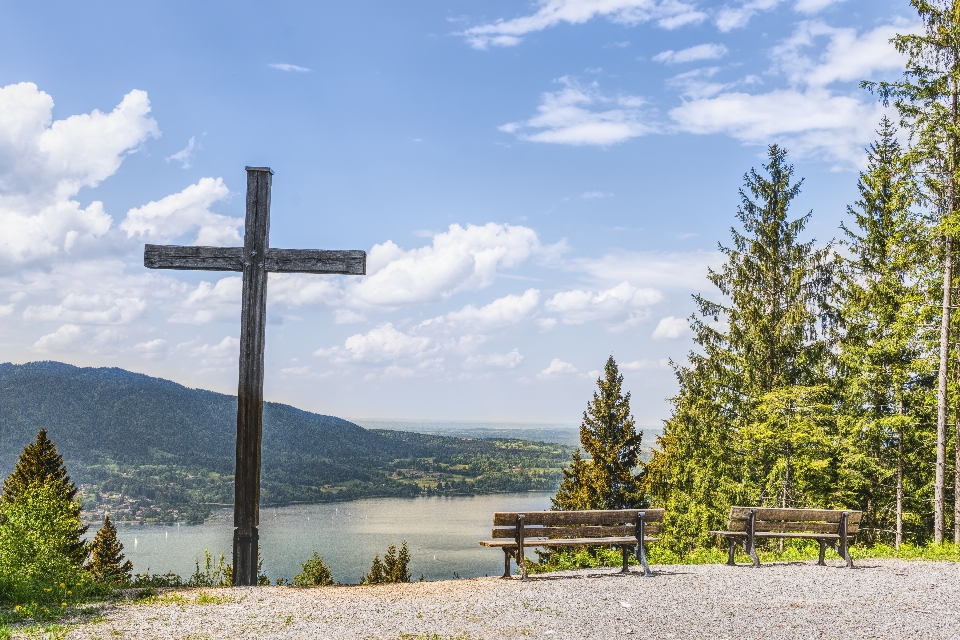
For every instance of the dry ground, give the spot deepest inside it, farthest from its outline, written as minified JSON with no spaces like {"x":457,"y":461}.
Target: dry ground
{"x":878,"y":599}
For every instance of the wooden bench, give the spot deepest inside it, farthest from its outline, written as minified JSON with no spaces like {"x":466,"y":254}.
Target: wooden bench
{"x":626,"y":528}
{"x":828,"y":527}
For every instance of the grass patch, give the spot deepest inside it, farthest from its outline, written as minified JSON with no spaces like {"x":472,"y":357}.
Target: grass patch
{"x":794,"y":551}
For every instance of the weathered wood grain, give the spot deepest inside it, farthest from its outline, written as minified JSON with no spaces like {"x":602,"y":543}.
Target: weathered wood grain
{"x":253,"y":316}
{"x":808,"y":527}
{"x":316,"y":261}
{"x":794,"y":515}
{"x":611,"y":517}
{"x":612,"y":541}
{"x":157,"y":256}
{"x":574,"y":531}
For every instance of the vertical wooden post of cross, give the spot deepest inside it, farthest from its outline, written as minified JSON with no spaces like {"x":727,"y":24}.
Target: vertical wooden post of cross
{"x":253,"y":315}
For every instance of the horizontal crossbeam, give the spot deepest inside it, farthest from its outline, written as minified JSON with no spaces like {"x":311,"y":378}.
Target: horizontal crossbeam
{"x":157,"y":256}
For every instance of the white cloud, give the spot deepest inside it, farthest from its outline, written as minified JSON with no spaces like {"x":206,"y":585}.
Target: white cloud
{"x":808,"y":117}
{"x":185,"y":155}
{"x":218,"y":356}
{"x":209,"y":301}
{"x":346,"y":316}
{"x":180,"y":213}
{"x":546,"y":324}
{"x":153,"y":349}
{"x":566,"y":117}
{"x":88,"y":309}
{"x":677,"y":271}
{"x":813,"y":6}
{"x":645,"y":364}
{"x":506,"y":33}
{"x":579,"y":306}
{"x":459,"y":259}
{"x":282,"y":66}
{"x":63,"y":338}
{"x":510,"y":360}
{"x":591,"y":195}
{"x":729,"y":18}
{"x":671,"y":328}
{"x":502,"y":312}
{"x":45,"y":163}
{"x":692,"y":54}
{"x":556,"y":367}
{"x":382,"y":344}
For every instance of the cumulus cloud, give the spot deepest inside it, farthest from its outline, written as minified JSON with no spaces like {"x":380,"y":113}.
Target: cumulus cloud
{"x":557,"y":367}
{"x":506,"y":33}
{"x":578,"y":306}
{"x":218,"y":356}
{"x":813,"y":6}
{"x":809,"y":116}
{"x":578,"y":115}
{"x":502,"y":312}
{"x":459,"y":259}
{"x":180,"y":213}
{"x":382,"y":344}
{"x":671,"y":328}
{"x":45,"y":163}
{"x":63,"y":338}
{"x":646,"y":364}
{"x":88,"y":309}
{"x":209,"y":301}
{"x":692,"y":54}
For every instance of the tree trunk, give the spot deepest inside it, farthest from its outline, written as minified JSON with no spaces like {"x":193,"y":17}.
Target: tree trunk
{"x":899,"y":536}
{"x":939,"y":484}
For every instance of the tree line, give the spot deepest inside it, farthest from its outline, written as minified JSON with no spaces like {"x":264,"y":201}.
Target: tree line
{"x":824,"y":375}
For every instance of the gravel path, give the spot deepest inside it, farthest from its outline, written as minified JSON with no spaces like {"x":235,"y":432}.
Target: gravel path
{"x":879,"y":599}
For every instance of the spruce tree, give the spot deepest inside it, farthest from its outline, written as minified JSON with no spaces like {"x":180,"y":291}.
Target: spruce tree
{"x":41,"y":465}
{"x":106,"y":562}
{"x":314,"y":573}
{"x":765,"y":338}
{"x":378,"y":573}
{"x":396,"y":563}
{"x":609,"y":435}
{"x":928,"y":100}
{"x":883,"y":358}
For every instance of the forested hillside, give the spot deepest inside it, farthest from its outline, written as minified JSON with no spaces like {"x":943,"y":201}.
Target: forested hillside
{"x":149,"y":449}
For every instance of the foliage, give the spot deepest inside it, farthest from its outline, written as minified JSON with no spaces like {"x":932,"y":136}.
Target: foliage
{"x":609,"y":436}
{"x":315,"y":572}
{"x":41,"y":464}
{"x":566,"y":559}
{"x":393,"y":568}
{"x":106,"y":562}
{"x":760,"y":351}
{"x":213,"y":574}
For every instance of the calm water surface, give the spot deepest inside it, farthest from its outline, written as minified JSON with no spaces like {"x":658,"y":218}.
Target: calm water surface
{"x":441,"y":532}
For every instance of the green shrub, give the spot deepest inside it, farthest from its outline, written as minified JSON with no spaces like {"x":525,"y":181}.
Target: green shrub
{"x":393,"y":568}
{"x":313,"y":572}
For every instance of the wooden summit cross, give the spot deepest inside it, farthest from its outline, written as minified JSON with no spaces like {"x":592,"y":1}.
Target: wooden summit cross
{"x":254,"y":259}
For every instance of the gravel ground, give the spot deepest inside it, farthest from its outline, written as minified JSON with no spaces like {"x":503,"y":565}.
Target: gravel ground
{"x":878,"y":599}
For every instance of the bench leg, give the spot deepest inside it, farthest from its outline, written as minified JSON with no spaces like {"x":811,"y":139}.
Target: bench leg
{"x":732,"y":544}
{"x":823,"y":550}
{"x":752,"y":552}
{"x":626,"y":554}
{"x":845,"y":552}
{"x":506,"y":562}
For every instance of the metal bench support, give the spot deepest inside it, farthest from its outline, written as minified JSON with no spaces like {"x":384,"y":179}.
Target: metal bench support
{"x":750,"y":544}
{"x":641,"y":551}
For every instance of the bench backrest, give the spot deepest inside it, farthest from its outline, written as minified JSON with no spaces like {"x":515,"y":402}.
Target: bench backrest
{"x":793,"y":520}
{"x":577,"y":524}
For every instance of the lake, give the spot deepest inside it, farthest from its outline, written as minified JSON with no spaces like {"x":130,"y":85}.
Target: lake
{"x":441,"y":533}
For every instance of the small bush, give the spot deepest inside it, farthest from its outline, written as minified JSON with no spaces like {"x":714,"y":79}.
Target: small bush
{"x":219,"y":574}
{"x":314,"y":573}
{"x":393,"y":568}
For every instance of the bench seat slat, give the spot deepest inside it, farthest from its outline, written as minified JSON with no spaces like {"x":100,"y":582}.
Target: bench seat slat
{"x":573,"y":531}
{"x":570,"y":542}
{"x":794,"y":515}
{"x":774,"y":534}
{"x":801,"y":527}
{"x":505,"y":519}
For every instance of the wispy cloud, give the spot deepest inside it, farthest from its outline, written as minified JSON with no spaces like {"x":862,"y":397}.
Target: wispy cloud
{"x":282,"y":66}
{"x":669,"y":14}
{"x":708,"y":51}
{"x":575,"y":115}
{"x":185,"y":155}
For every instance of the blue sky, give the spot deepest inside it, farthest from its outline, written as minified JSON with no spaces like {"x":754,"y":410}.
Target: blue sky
{"x":539,"y":184}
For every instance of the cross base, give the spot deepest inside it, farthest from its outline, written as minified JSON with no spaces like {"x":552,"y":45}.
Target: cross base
{"x":245,"y":557}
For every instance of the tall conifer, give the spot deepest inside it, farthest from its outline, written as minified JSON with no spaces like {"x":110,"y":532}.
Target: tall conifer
{"x":883,"y":358}
{"x":763,"y":338}
{"x":928,"y":99}
{"x":609,"y":435}
{"x":41,"y":465}
{"x":106,"y":561}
